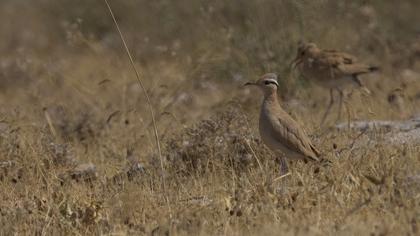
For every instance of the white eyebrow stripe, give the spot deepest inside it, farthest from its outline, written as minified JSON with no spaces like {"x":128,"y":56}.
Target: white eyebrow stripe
{"x":273,"y":81}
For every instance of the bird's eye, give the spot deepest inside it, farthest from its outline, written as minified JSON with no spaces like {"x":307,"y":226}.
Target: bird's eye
{"x":302,"y":53}
{"x":269,"y":81}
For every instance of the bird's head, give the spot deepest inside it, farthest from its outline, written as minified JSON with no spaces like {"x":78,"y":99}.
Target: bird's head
{"x":267,"y":83}
{"x":305,"y":50}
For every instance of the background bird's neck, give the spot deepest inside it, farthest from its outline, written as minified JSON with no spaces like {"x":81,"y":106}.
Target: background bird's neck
{"x":315,"y":52}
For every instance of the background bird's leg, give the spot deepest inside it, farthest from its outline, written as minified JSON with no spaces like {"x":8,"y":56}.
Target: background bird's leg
{"x":324,"y":117}
{"x":357,"y":80}
{"x":365,"y":91}
{"x":348,"y":107}
{"x":340,"y":104}
{"x":365,"y":94}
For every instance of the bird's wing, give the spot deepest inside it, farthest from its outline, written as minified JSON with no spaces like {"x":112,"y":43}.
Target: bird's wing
{"x":288,"y":132}
{"x":342,"y":64}
{"x":335,"y":58}
{"x":354,"y":69}
{"x":347,"y":58}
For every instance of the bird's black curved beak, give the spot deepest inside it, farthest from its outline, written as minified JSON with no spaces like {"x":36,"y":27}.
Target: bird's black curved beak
{"x":295,"y":62}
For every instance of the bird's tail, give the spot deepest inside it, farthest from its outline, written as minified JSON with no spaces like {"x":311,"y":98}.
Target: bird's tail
{"x":373,"y":68}
{"x":319,"y":160}
{"x":325,"y":162}
{"x":319,"y":157}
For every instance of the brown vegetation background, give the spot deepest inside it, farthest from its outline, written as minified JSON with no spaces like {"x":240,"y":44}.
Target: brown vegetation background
{"x":76,"y":140}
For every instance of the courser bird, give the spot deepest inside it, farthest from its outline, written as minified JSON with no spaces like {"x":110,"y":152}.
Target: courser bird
{"x":330,"y":69}
{"x":278,"y":130}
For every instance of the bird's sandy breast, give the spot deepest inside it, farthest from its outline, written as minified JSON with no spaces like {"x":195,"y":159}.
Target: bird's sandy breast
{"x":267,"y":127}
{"x":274,"y":133}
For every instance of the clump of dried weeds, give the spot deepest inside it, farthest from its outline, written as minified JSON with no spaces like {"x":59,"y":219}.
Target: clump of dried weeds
{"x":224,"y":141}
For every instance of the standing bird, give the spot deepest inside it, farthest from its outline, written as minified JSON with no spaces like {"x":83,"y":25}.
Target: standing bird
{"x":330,"y":69}
{"x":278,"y":130}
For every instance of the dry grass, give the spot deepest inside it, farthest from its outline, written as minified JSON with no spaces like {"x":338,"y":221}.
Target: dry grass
{"x":78,"y":154}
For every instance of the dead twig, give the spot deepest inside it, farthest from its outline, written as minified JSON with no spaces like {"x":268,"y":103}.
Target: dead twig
{"x":149,"y":103}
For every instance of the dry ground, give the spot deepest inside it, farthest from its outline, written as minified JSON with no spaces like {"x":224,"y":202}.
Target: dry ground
{"x":76,"y":140}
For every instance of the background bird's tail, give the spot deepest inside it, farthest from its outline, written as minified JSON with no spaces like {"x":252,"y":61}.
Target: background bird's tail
{"x":374,"y":68}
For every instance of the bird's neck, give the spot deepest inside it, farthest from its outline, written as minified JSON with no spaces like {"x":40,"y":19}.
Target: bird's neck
{"x":270,"y":97}
{"x":315,"y":52}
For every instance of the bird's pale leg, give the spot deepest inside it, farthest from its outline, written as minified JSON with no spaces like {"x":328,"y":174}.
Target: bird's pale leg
{"x":324,"y":117}
{"x":284,"y":169}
